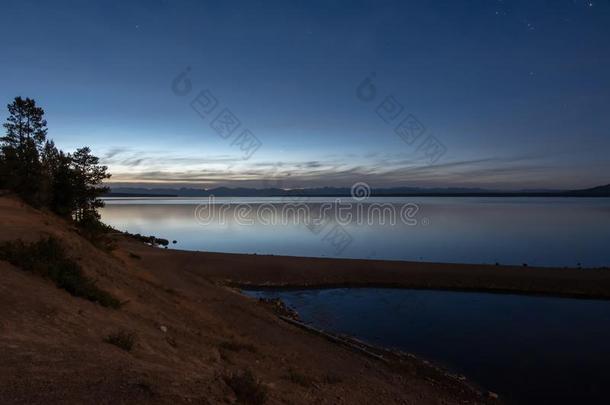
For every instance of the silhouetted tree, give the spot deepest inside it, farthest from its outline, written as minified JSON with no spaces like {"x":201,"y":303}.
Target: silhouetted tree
{"x":48,"y":160}
{"x":64,"y":189}
{"x":42,"y":174}
{"x":26,"y":132}
{"x":88,"y":175}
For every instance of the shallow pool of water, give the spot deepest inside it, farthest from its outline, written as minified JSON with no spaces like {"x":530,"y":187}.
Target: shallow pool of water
{"x":527,"y":349}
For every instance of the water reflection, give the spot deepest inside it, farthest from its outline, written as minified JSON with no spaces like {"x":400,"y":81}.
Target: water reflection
{"x":537,"y":231}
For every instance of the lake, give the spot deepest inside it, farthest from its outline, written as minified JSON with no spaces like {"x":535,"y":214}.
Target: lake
{"x":534,"y":350}
{"x":515,"y":230}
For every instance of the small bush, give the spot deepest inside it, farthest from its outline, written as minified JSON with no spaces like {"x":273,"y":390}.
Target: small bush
{"x":300,"y":378}
{"x":331,"y":378}
{"x":122,"y":339}
{"x":247,"y":388}
{"x":153,"y":240}
{"x":236,"y":346}
{"x":145,"y":388}
{"x":224,"y":356}
{"x":48,"y":259}
{"x":96,"y":232}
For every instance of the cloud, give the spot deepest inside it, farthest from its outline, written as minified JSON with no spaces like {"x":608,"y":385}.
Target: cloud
{"x":118,"y":158}
{"x":113,"y":152}
{"x":388,"y":170}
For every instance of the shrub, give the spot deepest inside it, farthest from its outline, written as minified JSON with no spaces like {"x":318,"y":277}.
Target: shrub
{"x":122,"y":339}
{"x":96,"y":232}
{"x":152,"y":240}
{"x":300,"y":378}
{"x":332,"y":378}
{"x":236,"y":346}
{"x":48,"y":259}
{"x":247,"y":388}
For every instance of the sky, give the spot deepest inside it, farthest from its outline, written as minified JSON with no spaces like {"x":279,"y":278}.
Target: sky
{"x":495,"y":94}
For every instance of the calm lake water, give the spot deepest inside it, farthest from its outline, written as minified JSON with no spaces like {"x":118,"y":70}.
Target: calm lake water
{"x":536,"y":231}
{"x":536,"y":350}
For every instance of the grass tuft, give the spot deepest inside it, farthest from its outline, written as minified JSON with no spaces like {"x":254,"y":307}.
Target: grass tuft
{"x":98,"y":233}
{"x":48,"y":259}
{"x":332,"y":378}
{"x":300,"y":378}
{"x":236,"y":346}
{"x":122,"y":339}
{"x":247,"y":388}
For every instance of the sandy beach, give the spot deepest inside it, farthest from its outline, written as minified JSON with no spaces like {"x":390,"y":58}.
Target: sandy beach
{"x":261,"y":271}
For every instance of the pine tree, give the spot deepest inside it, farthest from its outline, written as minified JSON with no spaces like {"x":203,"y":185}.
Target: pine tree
{"x":49,"y":162}
{"x":89,"y":175}
{"x":63,"y":200}
{"x":26,"y":131}
{"x":45,"y":176}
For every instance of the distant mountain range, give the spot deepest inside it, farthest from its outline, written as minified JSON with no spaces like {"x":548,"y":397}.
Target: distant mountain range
{"x":601,"y":191}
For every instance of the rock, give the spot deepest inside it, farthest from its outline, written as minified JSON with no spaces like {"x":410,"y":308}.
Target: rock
{"x":278,"y":306}
{"x":492,"y":395}
{"x":163,"y":328}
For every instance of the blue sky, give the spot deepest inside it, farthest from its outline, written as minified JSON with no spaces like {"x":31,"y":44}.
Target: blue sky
{"x":514,"y":93}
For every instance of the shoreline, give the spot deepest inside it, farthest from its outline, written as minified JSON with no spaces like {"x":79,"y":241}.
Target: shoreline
{"x":308,"y":287}
{"x":390,"y":356}
{"x":255,"y":271}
